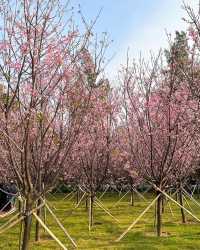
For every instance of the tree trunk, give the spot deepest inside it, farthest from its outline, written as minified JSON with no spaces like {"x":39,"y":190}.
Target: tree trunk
{"x":44,"y":208}
{"x":163,"y":204}
{"x":159,"y":215}
{"x":86,"y":203}
{"x":20,"y":208}
{"x":39,"y":211}
{"x":91,"y":201}
{"x":27,"y":226}
{"x":132,"y":197}
{"x":37,"y":224}
{"x":177,"y":197}
{"x":182,"y":204}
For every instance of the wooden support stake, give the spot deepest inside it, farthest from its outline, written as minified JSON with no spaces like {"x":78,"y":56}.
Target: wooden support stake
{"x":105,"y":209}
{"x":138,"y":193}
{"x":187,"y":202}
{"x":3,"y":229}
{"x":5,"y":214}
{"x":52,"y":195}
{"x":72,"y":196}
{"x":9,"y":221}
{"x":192,"y":198}
{"x":170,"y":208}
{"x":121,"y":199}
{"x":163,"y":192}
{"x":49,"y":231}
{"x":77,"y":205}
{"x":12,"y":224}
{"x":66,"y":196}
{"x":137,"y":219}
{"x":60,"y":224}
{"x":102,"y":195}
{"x":194,"y":189}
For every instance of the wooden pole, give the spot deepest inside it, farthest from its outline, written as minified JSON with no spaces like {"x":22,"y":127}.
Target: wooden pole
{"x":132,"y":197}
{"x":121,"y":199}
{"x":159,"y":214}
{"x":187,"y":202}
{"x":137,"y":219}
{"x":77,"y":205}
{"x":191,"y":197}
{"x":10,"y":220}
{"x":60,"y":224}
{"x":139,"y":194}
{"x":3,"y":229}
{"x":105,"y":209}
{"x":49,"y":232}
{"x":102,"y":195}
{"x":170,"y":208}
{"x":12,"y":224}
{"x":163,"y":192}
{"x":66,"y":196}
{"x":91,"y":201}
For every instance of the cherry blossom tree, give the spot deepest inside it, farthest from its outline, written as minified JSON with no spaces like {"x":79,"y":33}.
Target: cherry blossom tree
{"x":186,"y":63}
{"x":43,"y":101}
{"x":159,"y":125}
{"x":92,"y":150}
{"x":121,"y":173}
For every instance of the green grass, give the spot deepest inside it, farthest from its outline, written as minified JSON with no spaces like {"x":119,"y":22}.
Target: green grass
{"x":106,"y":230}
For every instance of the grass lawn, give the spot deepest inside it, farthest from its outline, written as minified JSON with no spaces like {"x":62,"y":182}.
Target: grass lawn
{"x":106,"y":230}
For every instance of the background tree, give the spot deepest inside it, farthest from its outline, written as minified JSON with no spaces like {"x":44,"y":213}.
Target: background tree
{"x":41,"y":68}
{"x":157,"y":119}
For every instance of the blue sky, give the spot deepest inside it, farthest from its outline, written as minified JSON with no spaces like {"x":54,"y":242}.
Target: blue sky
{"x":140,"y":25}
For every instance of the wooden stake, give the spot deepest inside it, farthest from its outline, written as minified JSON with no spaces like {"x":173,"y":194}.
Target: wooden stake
{"x":139,"y":194}
{"x":68,"y":195}
{"x":12,"y":224}
{"x":74,"y":193}
{"x":9,"y":221}
{"x":163,"y":192}
{"x":187,"y":203}
{"x":2,"y":229}
{"x":194,"y":189}
{"x":91,"y":208}
{"x":137,"y":219}
{"x":170,"y":208}
{"x":77,"y":205}
{"x":60,"y":224}
{"x":8,"y":213}
{"x":102,"y":195}
{"x":49,"y":231}
{"x":192,"y":198}
{"x":105,"y":209}
{"x":121,"y":199}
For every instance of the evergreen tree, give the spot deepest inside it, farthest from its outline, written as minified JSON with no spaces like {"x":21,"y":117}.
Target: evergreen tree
{"x":178,"y":52}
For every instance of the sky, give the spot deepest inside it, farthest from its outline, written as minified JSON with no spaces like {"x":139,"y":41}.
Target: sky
{"x":139,"y":25}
